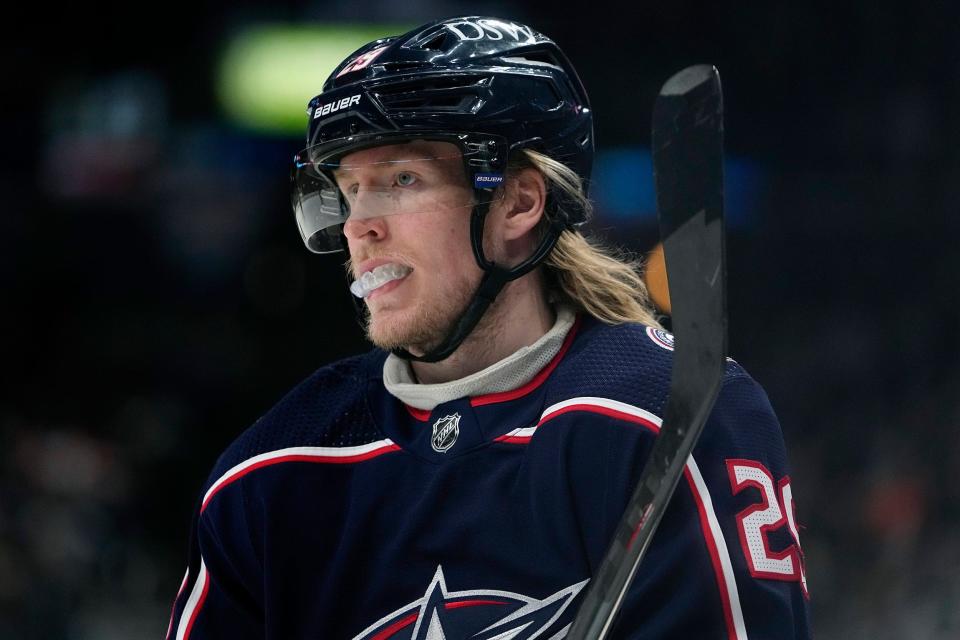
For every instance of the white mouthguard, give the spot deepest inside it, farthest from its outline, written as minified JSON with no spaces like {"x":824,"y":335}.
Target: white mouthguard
{"x":373,"y":280}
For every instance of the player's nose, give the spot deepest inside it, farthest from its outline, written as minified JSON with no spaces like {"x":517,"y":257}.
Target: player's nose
{"x":360,"y":228}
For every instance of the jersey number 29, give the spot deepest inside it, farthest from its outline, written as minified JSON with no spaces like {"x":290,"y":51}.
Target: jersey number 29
{"x":756,"y":521}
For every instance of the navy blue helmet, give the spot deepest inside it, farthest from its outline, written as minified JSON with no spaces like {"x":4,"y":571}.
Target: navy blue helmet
{"x":490,"y":86}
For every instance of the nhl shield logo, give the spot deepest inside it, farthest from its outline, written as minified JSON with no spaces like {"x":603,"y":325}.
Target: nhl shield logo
{"x":445,"y":432}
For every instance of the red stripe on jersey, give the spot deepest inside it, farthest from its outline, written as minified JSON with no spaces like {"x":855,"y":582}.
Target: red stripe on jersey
{"x":396,"y":626}
{"x":607,"y":411}
{"x":469,"y":603}
{"x":410,"y":619}
{"x":420,"y":414}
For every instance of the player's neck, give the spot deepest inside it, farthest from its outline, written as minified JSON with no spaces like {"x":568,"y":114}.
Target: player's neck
{"x":518,"y":318}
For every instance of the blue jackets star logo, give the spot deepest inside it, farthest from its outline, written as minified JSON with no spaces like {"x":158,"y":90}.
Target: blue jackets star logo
{"x":479,"y":614}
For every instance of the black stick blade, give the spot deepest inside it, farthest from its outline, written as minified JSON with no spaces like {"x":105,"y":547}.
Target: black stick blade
{"x":688,"y":147}
{"x":688,"y":167}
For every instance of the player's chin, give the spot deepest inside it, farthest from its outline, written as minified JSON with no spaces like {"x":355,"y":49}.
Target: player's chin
{"x":391,"y":328}
{"x":413,"y":329}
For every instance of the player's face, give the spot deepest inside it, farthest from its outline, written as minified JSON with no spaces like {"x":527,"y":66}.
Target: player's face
{"x":422,"y":254}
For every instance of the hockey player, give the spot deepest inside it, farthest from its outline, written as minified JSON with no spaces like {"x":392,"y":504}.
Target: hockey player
{"x":464,"y":478}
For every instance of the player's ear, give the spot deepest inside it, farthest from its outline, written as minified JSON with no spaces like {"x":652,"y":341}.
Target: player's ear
{"x":524,"y":202}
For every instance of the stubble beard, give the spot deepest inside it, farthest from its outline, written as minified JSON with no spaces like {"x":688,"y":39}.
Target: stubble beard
{"x":424,"y":328}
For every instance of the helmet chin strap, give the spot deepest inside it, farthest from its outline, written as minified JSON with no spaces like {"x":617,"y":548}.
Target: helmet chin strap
{"x":493,"y":281}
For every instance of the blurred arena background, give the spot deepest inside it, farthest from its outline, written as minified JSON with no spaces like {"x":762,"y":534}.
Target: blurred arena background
{"x":156,"y":297}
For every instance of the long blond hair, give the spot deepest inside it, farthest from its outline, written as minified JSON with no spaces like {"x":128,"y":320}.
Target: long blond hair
{"x":602,"y":281}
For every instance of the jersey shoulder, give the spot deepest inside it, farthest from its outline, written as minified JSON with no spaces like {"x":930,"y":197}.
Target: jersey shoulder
{"x":327,"y":409}
{"x":627,"y":362}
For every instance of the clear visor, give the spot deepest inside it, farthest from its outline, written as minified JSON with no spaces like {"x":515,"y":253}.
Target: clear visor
{"x":419,"y":176}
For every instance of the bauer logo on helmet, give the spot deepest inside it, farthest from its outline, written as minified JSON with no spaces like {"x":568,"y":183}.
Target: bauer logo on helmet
{"x":336,"y":105}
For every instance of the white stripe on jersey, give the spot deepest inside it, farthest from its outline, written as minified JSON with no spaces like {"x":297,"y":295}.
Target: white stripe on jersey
{"x":301,"y":452}
{"x":192,"y":607}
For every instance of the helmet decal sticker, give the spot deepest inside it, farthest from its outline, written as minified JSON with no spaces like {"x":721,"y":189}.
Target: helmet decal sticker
{"x":363,"y":60}
{"x":487,"y":29}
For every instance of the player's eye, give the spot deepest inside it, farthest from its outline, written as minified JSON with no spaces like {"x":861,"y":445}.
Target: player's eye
{"x":405,"y":178}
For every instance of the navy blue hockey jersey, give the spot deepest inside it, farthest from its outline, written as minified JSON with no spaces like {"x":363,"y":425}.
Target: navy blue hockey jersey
{"x":343,"y":513}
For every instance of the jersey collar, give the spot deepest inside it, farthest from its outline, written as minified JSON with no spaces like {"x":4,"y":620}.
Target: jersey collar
{"x":501,"y":381}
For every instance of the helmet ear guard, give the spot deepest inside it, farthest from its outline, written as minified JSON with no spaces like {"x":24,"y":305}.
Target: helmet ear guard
{"x":496,"y":87}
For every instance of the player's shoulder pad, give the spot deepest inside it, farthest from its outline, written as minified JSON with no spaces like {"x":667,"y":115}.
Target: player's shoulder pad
{"x":628,"y":362}
{"x":743,"y":423}
{"x":327,"y":409}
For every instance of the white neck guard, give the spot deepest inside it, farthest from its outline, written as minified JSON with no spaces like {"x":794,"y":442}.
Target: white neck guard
{"x":513,"y":371}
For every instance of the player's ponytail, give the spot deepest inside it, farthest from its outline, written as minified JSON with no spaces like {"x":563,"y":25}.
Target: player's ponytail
{"x":601,"y":281}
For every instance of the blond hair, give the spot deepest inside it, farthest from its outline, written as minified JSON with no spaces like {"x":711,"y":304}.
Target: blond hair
{"x":602,"y":281}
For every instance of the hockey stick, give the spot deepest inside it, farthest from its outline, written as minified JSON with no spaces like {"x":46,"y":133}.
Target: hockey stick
{"x":688,"y":167}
